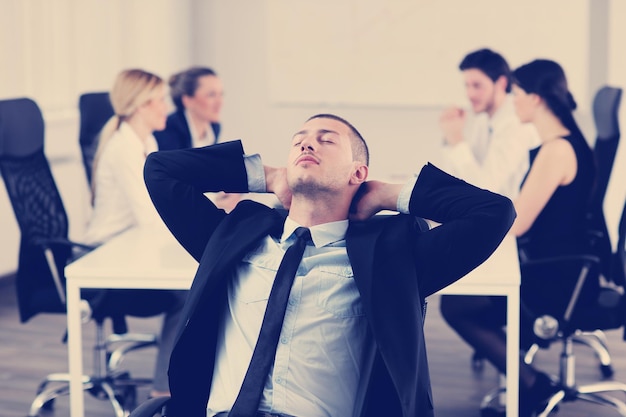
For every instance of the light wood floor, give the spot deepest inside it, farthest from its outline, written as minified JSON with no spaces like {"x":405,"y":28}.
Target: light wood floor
{"x":31,"y":350}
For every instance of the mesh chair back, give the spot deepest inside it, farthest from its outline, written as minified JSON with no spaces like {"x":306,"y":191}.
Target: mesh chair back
{"x":618,"y":270}
{"x":95,"y":110}
{"x":36,"y":202}
{"x":605,"y":112}
{"x":606,"y":117}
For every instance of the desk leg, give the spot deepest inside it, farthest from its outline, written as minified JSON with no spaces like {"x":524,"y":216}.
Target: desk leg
{"x":75,"y":351}
{"x":512,"y":353}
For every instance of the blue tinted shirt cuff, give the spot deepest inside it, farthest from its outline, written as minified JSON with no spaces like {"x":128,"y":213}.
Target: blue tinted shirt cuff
{"x":255,"y":172}
{"x":405,"y":195}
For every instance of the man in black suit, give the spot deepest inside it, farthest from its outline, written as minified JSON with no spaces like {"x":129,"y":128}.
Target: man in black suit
{"x":352,"y":341}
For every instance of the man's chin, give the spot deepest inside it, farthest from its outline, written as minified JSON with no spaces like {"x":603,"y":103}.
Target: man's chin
{"x":306,"y":186}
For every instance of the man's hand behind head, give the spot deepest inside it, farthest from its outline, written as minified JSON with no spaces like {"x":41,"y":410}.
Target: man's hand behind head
{"x":372,"y":197}
{"x":276,"y":183}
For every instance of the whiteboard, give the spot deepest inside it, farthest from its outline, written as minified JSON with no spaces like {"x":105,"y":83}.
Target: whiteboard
{"x":407,"y":52}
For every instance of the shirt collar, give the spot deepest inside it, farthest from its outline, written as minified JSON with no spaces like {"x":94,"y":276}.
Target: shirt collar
{"x":196,"y":140}
{"x":321,"y":234}
{"x":504,"y":114}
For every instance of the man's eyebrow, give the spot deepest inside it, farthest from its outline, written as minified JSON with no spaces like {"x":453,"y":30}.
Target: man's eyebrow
{"x":322,"y":131}
{"x":319,"y":131}
{"x":301,"y":132}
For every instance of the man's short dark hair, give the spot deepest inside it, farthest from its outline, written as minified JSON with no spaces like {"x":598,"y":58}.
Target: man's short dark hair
{"x":360,"y":151}
{"x":491,"y":63}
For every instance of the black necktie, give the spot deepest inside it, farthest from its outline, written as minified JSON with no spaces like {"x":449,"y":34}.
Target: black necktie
{"x":247,"y":402}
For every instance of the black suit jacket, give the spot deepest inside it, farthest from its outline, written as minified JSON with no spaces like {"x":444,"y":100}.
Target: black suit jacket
{"x":395,"y":267}
{"x":176,"y":134}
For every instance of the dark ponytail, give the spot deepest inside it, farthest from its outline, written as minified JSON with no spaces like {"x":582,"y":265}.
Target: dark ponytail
{"x":547,"y":79}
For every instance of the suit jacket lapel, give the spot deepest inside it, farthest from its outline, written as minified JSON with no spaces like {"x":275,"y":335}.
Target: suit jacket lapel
{"x":232,"y":239}
{"x":360,"y":244}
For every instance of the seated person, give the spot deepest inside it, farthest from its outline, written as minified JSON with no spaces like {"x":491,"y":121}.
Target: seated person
{"x":551,"y":218}
{"x":121,"y":200}
{"x":348,"y":339}
{"x":197,"y":94}
{"x":489,"y":150}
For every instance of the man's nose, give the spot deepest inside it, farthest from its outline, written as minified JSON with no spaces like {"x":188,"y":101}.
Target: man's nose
{"x":307,"y":144}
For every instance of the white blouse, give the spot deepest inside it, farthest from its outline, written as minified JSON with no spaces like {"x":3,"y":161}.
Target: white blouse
{"x":121,"y":198}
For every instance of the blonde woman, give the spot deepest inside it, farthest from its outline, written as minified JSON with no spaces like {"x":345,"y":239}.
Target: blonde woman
{"x":121,"y":200}
{"x":120,"y":197}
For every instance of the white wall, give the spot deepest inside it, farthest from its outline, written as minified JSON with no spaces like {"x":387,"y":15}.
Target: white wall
{"x":55,"y":50}
{"x":240,"y":54}
{"x":616,"y":192}
{"x":405,"y":53}
{"x":63,"y":48}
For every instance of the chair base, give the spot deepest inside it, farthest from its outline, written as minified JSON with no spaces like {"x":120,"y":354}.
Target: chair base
{"x":596,"y":340}
{"x":109,"y":381}
{"x":119,"y":389}
{"x":595,"y":393}
{"x":591,"y":393}
{"x":492,"y":406}
{"x":125,"y":344}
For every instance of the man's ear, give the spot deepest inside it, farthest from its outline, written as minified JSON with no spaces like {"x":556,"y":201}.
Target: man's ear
{"x":502,"y":82}
{"x":359,"y":175}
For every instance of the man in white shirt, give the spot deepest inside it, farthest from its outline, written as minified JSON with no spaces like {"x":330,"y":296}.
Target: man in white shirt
{"x":491,"y":151}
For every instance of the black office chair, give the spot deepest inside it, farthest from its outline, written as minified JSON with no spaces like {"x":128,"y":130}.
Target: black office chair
{"x":95,"y":110}
{"x":44,"y":252}
{"x":591,"y":306}
{"x":606,"y":105}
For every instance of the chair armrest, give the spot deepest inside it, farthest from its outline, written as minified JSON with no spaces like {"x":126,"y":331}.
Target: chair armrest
{"x":61,"y":243}
{"x":564,"y":259}
{"x":586,"y":261}
{"x":150,"y":407}
{"x":53,"y":246}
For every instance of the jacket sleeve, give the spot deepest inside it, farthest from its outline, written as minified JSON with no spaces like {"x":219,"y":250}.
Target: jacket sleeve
{"x":473,"y":222}
{"x":177,"y":180}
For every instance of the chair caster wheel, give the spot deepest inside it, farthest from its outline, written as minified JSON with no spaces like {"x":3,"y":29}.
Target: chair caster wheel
{"x":492,"y":412}
{"x":48,"y":405}
{"x":128,"y":398}
{"x":478,"y":363}
{"x":607,"y":371}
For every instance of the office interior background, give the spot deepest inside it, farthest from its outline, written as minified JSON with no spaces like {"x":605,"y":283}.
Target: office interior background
{"x":388,"y":66}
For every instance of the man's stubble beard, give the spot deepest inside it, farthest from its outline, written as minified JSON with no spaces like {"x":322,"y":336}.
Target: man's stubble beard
{"x":310,"y":189}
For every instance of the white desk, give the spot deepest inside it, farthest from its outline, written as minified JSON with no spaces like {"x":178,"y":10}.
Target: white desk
{"x":145,"y":259}
{"x":500,"y":275}
{"x":135,"y":259}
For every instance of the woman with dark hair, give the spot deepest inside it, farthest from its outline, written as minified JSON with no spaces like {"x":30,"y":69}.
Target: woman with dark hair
{"x":551,"y":217}
{"x":197,"y":94}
